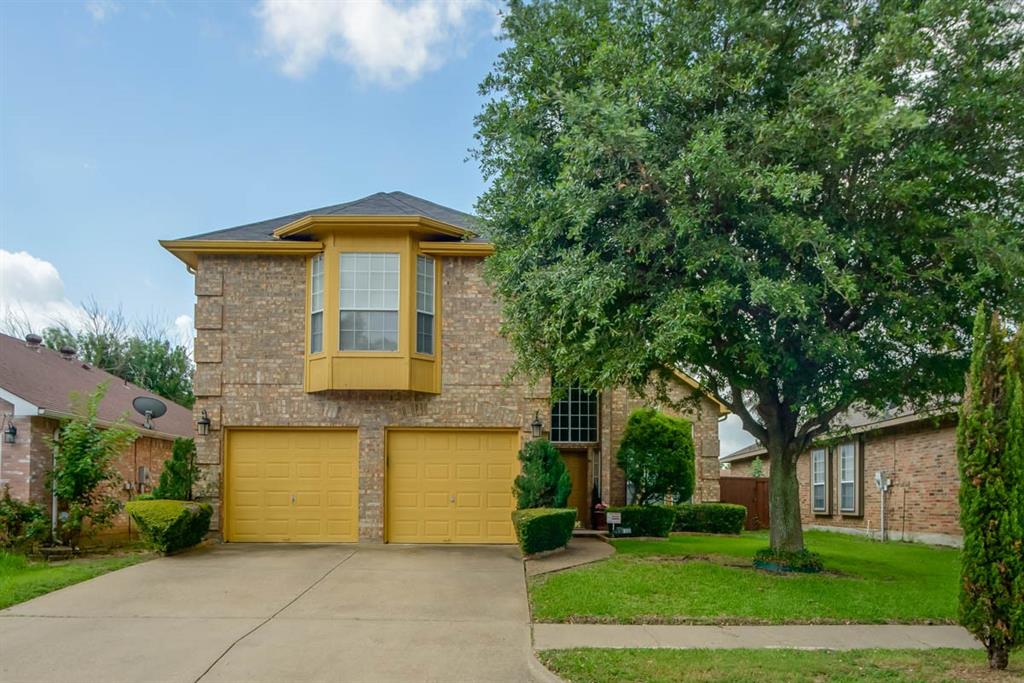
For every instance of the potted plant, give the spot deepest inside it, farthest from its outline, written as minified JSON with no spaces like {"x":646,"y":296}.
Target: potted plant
{"x":598,"y":514}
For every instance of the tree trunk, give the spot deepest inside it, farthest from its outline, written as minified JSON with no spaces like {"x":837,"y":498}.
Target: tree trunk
{"x":998,"y":656}
{"x":784,"y":502}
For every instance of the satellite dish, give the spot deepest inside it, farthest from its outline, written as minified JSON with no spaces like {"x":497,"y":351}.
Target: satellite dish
{"x":149,"y":407}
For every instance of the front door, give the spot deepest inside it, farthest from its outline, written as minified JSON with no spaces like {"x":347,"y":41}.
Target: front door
{"x":576,"y":463}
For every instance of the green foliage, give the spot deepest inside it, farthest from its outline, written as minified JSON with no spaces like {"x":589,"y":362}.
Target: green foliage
{"x":22,"y":580}
{"x":711,"y":518}
{"x":179,"y":472}
{"x":84,"y":477}
{"x":22,"y":524}
{"x":646,"y":520}
{"x":145,"y":357}
{"x":990,"y":451}
{"x":543,"y":481}
{"x":540,"y":529}
{"x":169,"y":525}
{"x":803,"y":561}
{"x":799,"y":203}
{"x":657,"y":457}
{"x":757,"y":467}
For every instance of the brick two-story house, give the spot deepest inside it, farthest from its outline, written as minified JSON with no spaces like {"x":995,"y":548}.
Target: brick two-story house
{"x":349,"y":361}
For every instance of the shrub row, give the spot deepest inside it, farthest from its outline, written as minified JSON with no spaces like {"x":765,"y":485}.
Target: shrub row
{"x":540,"y":529}
{"x":710,"y":518}
{"x":646,"y":520}
{"x":169,"y":525}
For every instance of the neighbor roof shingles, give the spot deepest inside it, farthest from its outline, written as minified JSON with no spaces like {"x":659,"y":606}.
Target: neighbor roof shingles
{"x":44,"y":378}
{"x":377,"y":204}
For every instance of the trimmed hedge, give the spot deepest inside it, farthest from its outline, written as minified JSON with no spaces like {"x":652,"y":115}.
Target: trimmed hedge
{"x":803,"y":561}
{"x":646,"y":520}
{"x":169,"y":525}
{"x":710,"y":518}
{"x":540,"y":529}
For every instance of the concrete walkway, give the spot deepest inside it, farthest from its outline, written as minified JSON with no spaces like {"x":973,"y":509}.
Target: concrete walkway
{"x":853,"y":637}
{"x":581,"y":550}
{"x":283,"y":613}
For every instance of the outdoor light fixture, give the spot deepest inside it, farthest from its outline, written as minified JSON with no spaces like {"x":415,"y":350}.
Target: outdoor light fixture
{"x":536,"y":425}
{"x":11,"y":433}
{"x":203,"y":423}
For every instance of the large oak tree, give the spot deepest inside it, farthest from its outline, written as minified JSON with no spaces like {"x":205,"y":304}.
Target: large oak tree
{"x":801,"y":203}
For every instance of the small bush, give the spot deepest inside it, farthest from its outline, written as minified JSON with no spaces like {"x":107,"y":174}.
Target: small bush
{"x":22,"y":525}
{"x":646,"y":520}
{"x":657,"y":456}
{"x":710,"y":518}
{"x":540,"y":529}
{"x":178,"y":473}
{"x":169,"y":525}
{"x":788,"y":560}
{"x":544,"y":481}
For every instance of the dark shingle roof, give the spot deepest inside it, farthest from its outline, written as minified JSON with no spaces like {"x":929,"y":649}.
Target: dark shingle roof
{"x":44,"y":378}
{"x":377,"y":204}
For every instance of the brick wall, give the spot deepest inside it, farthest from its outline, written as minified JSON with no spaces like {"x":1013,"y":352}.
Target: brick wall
{"x":250,"y":318}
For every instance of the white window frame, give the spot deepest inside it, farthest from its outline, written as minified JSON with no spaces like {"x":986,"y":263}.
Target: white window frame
{"x":316,"y":302}
{"x":387,"y":297}
{"x":426,"y":303}
{"x":823,"y":483}
{"x":848,"y":451}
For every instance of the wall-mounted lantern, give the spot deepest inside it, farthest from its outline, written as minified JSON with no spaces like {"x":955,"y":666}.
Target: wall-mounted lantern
{"x":536,"y":426}
{"x":203,"y":423}
{"x":11,"y":433}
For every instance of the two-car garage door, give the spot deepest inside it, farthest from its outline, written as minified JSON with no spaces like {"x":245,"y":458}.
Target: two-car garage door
{"x":442,"y":486}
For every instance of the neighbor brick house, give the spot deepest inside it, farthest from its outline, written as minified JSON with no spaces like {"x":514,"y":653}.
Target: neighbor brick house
{"x":36,"y":384}
{"x":349,"y":361}
{"x":916,"y":452}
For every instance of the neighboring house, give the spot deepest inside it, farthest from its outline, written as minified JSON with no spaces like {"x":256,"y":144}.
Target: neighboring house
{"x":915,"y":452}
{"x":349,"y":361}
{"x":36,"y":384}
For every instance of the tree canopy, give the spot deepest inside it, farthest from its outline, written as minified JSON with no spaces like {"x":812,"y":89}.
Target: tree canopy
{"x":801,"y":204}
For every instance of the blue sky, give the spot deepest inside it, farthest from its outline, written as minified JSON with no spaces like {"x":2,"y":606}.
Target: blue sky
{"x":122,"y":123}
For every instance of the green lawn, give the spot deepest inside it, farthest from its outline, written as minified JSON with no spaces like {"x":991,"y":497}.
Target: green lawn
{"x":778,"y":666}
{"x":709,"y":579}
{"x":21,"y":579}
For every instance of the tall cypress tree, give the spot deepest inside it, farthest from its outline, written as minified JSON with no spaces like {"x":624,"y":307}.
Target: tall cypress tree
{"x":990,"y":449}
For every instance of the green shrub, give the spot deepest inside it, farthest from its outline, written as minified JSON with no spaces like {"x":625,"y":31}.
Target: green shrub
{"x":178,"y":473}
{"x":656,"y":456}
{"x":543,"y":481}
{"x":788,"y":560}
{"x":646,"y":520}
{"x":169,"y":525}
{"x":22,"y":525}
{"x":710,"y":518}
{"x":540,"y":529}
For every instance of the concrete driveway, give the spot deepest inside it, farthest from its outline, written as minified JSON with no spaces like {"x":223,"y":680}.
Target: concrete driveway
{"x":283,"y":613}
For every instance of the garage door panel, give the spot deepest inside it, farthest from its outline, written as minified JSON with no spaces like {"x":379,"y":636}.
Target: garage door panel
{"x":462,"y":482}
{"x":298,"y":485}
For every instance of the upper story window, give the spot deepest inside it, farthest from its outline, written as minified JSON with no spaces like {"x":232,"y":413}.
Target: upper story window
{"x":849,"y":475}
{"x":368,"y":311}
{"x":316,"y":304}
{"x":574,"y":417}
{"x":819,"y":481}
{"x":425,"y":304}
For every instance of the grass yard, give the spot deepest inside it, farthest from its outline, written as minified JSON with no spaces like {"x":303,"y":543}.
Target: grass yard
{"x":778,"y":666}
{"x":22,"y":579}
{"x":702,"y":579}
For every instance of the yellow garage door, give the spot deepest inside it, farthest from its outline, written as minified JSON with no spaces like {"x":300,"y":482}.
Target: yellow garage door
{"x":292,"y":485}
{"x":451,"y":486}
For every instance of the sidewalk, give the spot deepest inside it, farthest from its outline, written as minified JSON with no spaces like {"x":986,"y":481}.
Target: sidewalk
{"x":581,"y":550}
{"x":800,"y":637}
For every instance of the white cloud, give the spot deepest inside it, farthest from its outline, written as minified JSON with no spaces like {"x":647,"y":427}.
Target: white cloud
{"x":383,"y":42}
{"x":731,"y":435}
{"x":32,"y":292}
{"x":184,"y":332}
{"x":101,"y":10}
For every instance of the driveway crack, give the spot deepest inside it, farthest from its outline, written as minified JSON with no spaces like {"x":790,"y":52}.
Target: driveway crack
{"x":263,"y":623}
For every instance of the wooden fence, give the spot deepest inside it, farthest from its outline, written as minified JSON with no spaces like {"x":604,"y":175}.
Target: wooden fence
{"x":751,"y":493}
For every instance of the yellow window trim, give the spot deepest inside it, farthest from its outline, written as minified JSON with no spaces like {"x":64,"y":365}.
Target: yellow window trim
{"x":188,"y":250}
{"x":457,"y":248}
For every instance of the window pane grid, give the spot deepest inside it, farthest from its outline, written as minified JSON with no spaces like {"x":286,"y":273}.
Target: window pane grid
{"x":424,"y":304}
{"x":316,"y":304}
{"x":818,"y":479}
{"x":847,"y":478}
{"x":369,"y":302}
{"x":574,"y":418}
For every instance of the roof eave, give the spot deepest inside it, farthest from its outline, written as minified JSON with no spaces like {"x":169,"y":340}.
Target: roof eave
{"x":188,"y":251}
{"x":425,"y":225}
